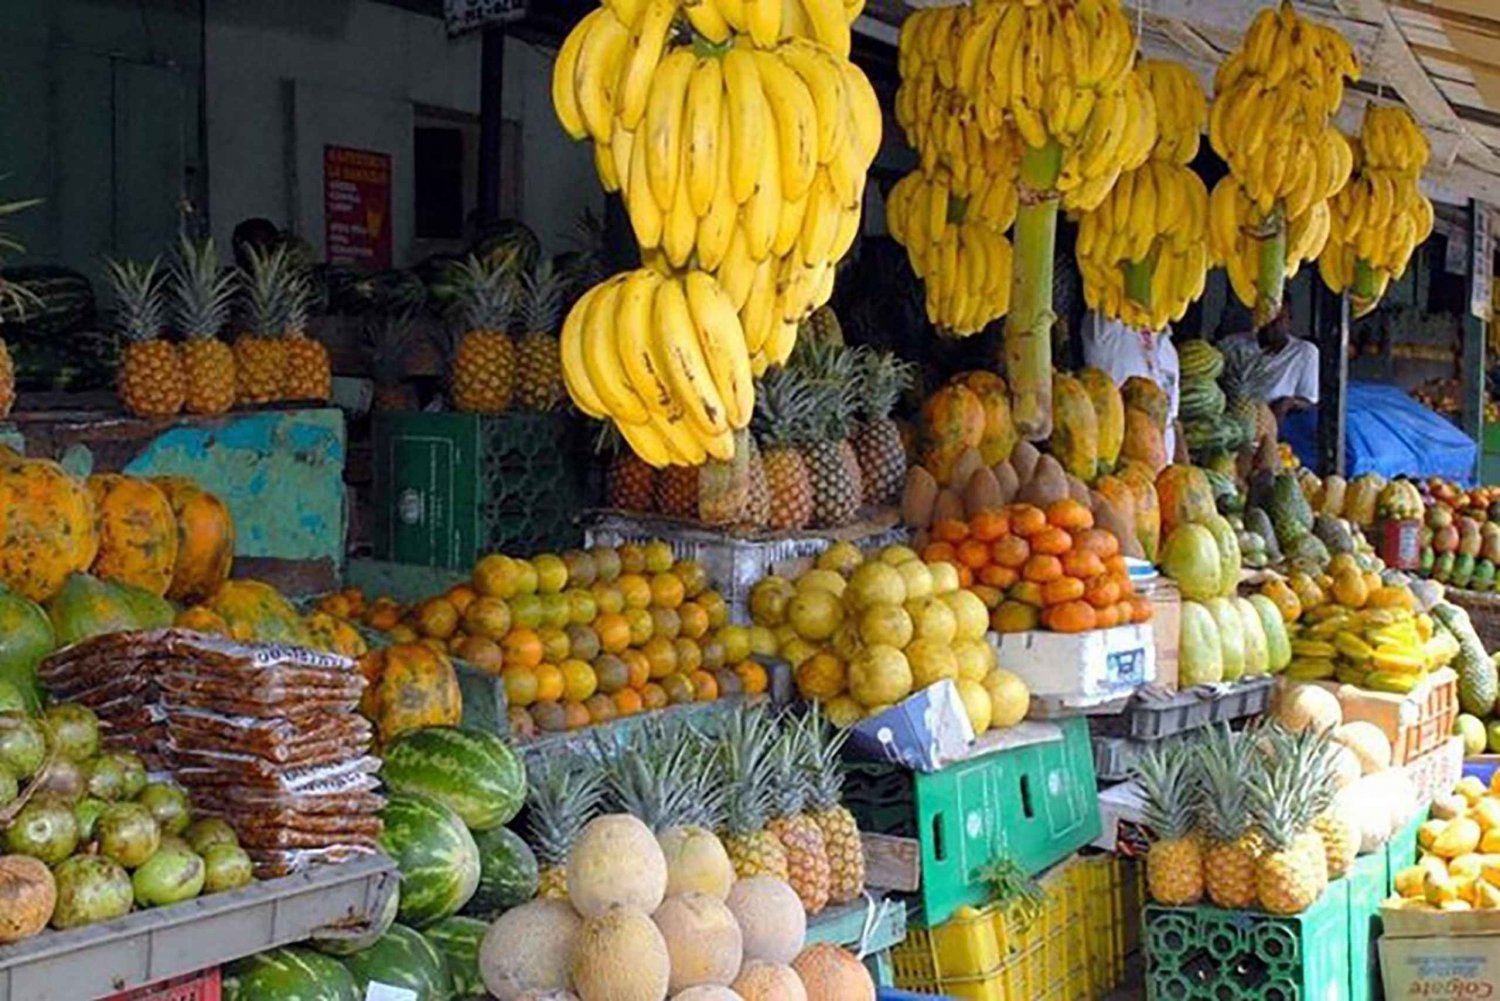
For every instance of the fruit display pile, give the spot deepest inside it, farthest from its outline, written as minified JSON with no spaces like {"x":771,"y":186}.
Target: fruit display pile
{"x":863,"y":633}
{"x":1264,"y":819}
{"x":823,"y":447}
{"x":578,"y":639}
{"x":739,"y":137}
{"x":1455,"y":870}
{"x":1223,"y":411}
{"x":86,"y":836}
{"x":1459,"y":538}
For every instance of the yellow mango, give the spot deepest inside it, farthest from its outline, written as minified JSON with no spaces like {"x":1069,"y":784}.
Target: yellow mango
{"x":1459,"y":837}
{"x":1466,"y":867}
{"x":1487,"y":812}
{"x":1428,"y":833}
{"x":1455,"y":905}
{"x":1409,"y":881}
{"x":1488,"y":897}
{"x":1471,"y":789}
{"x":1438,"y":889}
{"x":1489,"y":841}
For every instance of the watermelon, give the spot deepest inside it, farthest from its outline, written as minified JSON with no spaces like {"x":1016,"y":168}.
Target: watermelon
{"x":403,"y":958}
{"x":472,"y":772}
{"x":26,"y":638}
{"x":507,"y":873}
{"x":458,"y":938}
{"x":289,"y":974}
{"x":436,"y":854}
{"x":344,"y":943}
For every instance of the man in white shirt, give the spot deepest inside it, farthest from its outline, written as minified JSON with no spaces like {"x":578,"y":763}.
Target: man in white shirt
{"x":1294,"y":366}
{"x":1123,"y":351}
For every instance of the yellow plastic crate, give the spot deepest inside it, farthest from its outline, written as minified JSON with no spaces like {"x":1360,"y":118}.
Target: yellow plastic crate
{"x":1073,"y":950}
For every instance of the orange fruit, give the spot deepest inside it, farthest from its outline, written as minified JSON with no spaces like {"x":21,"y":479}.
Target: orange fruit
{"x":632,"y":558}
{"x":583,"y":642}
{"x":522,"y":648}
{"x":753,"y":677}
{"x":694,"y":619}
{"x":665,"y":622}
{"x":549,"y":716}
{"x":402,"y":633}
{"x":582,"y":606}
{"x":579,"y":680}
{"x":662,"y":655}
{"x":436,"y":618}
{"x":628,"y":702}
{"x":1027,"y":592}
{"x":653,"y":696}
{"x":1041,"y":568}
{"x":679,"y":688}
{"x":1099,"y":541}
{"x":582,"y":570}
{"x":612,"y":672}
{"x":659,"y":558}
{"x":705,"y":686}
{"x":987,"y":526}
{"x":667,"y":591}
{"x":694,"y":578}
{"x":487,"y":616}
{"x":459,"y":596}
{"x":1070,"y":617}
{"x":639,"y":666}
{"x":950,"y":530}
{"x":717,"y":608}
{"x":1102,"y":592}
{"x":495,"y":575}
{"x":575,"y":716}
{"x":635,"y":589}
{"x":606,"y":562}
{"x":614,"y":632}
{"x":607,"y":598}
{"x":689,"y":655}
{"x":713,"y":652}
{"x":1014,"y":617}
{"x":821,"y":676}
{"x":998,"y":577}
{"x":521,"y":684}
{"x":1055,"y":592}
{"x":1069,"y":514}
{"x":642,"y":627}
{"x":939,"y":552}
{"x":1027,"y":520}
{"x":483,"y":652}
{"x":1083,"y":564}
{"x":1052,"y":541}
{"x":549,"y":683}
{"x":601,"y":709}
{"x":973,"y":553}
{"x":555,"y":645}
{"x":1010,"y":551}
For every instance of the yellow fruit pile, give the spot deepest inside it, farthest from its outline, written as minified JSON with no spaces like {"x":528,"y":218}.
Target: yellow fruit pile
{"x":1143,"y":252}
{"x":1274,"y":99}
{"x":740,"y":136}
{"x":1459,"y":869}
{"x":1381,"y":216}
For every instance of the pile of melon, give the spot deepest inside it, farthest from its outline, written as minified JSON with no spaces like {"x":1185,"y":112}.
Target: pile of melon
{"x":639,"y":924}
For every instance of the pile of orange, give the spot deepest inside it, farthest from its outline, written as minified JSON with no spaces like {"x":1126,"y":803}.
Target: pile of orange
{"x":584,"y":637}
{"x":1041,"y":568}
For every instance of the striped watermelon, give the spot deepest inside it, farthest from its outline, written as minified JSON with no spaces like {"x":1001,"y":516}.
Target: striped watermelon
{"x":458,"y":939}
{"x":471,"y":771}
{"x":290,"y":974}
{"x":507,"y":873}
{"x":346,"y":944}
{"x":436,"y":854}
{"x":403,"y":958}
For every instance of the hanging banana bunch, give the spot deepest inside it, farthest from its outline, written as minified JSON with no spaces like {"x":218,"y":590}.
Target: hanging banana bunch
{"x":1143,"y":252}
{"x":957,"y":247}
{"x":739,"y":136}
{"x":1271,"y":122}
{"x":1381,"y":216}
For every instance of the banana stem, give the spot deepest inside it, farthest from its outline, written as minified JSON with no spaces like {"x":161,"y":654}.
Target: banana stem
{"x":1270,"y":280}
{"x":1028,"y":327}
{"x":1365,"y":289}
{"x":1138,"y":279}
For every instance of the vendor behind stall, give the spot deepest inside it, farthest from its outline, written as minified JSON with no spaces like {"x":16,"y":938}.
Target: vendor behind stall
{"x":1124,"y":351}
{"x":1294,"y":366}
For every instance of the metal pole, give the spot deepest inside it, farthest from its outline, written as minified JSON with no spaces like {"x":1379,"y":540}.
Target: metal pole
{"x":1477,"y":285}
{"x":1331,"y":333}
{"x":491,"y":90}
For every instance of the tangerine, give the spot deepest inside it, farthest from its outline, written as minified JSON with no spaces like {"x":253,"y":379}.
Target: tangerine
{"x":579,"y":680}
{"x":436,"y":618}
{"x":689,"y":655}
{"x":1010,"y":551}
{"x":662,"y":655}
{"x":667,"y":591}
{"x":1027,"y":520}
{"x":522,"y":648}
{"x":555,"y":645}
{"x":483,"y":652}
{"x":607,"y":598}
{"x":987,"y":526}
{"x":639,"y":666}
{"x":612,"y":673}
{"x":601,"y":709}
{"x":521,"y":685}
{"x":575,"y":716}
{"x":460,"y":596}
{"x":753,"y":676}
{"x":694,"y":620}
{"x":653,"y":696}
{"x":549,"y":683}
{"x":642,"y":627}
{"x":679,"y":688}
{"x":549,"y":717}
{"x":628,"y":702}
{"x":635,"y":589}
{"x":705,"y":686}
{"x":665,"y":622}
{"x":487,"y":616}
{"x":614,"y":632}
{"x":717,"y":608}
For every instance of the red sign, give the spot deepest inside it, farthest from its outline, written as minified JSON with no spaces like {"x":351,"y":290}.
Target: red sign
{"x":357,"y":206}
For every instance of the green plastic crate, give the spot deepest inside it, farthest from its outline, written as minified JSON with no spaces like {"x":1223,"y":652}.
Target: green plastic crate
{"x":1036,"y":804}
{"x":451,"y":487}
{"x":1366,"y":881}
{"x":1210,"y":954}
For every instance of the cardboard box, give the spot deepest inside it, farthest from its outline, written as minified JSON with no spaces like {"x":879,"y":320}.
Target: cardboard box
{"x":1427,"y":954}
{"x":1416,"y":723}
{"x":922,"y":732}
{"x":1437,"y":772}
{"x":1080,"y":670}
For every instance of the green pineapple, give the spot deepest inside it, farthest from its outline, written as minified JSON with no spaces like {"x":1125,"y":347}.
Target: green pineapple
{"x":539,"y":381}
{"x":877,"y":440}
{"x":563,"y":794}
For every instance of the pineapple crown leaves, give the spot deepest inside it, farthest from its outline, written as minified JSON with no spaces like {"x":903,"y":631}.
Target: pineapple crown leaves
{"x":743,"y":768}
{"x":783,"y":406}
{"x":139,"y":295}
{"x":1014,"y":889}
{"x":276,"y":291}
{"x":882,"y":379}
{"x":1289,"y":792}
{"x":388,"y":340}
{"x":663,"y":777}
{"x":826,"y":786}
{"x":542,"y":291}
{"x":563,"y":794}
{"x":1170,"y":787}
{"x":1225,"y":764}
{"x":485,"y":291}
{"x":202,"y":292}
{"x":830,"y":370}
{"x":15,"y":299}
{"x":791,"y":762}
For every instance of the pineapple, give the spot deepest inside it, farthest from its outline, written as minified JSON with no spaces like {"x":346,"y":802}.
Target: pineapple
{"x":783,"y":403}
{"x":832,"y":467}
{"x":388,"y":342}
{"x":15,"y":300}
{"x":1174,"y":865}
{"x":757,"y":510}
{"x":562,"y":795}
{"x":1292,"y":871}
{"x":724,"y":487}
{"x":664,"y":779}
{"x":151,"y":379}
{"x":1339,"y":839}
{"x":632,"y":482}
{"x":202,"y":297}
{"x":259,"y":352}
{"x":846,"y":857}
{"x":677,"y":491}
{"x":483,"y":370}
{"x":822,"y":325}
{"x":308,"y":375}
{"x":809,"y":871}
{"x":539,"y":381}
{"x":1224,"y":763}
{"x":877,"y":440}
{"x":744,"y":777}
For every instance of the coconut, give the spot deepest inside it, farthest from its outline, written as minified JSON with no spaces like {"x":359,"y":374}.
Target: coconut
{"x":769,"y":982}
{"x":127,"y":833}
{"x":831,"y":974}
{"x":709,"y":992}
{"x":27,"y":896}
{"x":696,"y":862}
{"x":226,"y":867}
{"x":616,"y":860}
{"x":771,"y":919}
{"x":703,"y":940}
{"x":527,"y":950}
{"x":620,"y":955}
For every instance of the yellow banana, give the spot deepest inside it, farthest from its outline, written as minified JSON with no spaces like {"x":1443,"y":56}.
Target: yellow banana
{"x":829,"y":24}
{"x":722,"y":341}
{"x":758,"y":312}
{"x":789,"y":228}
{"x":564,"y":94}
{"x":737,"y":270}
{"x":779,"y":344}
{"x":645,"y":215}
{"x":646,"y":441}
{"x":601,"y":357}
{"x":621,"y":149}
{"x":868,"y":120}
{"x":749,"y":116}
{"x":632,"y":328}
{"x":734,"y":13}
{"x":761,"y":215}
{"x":848,"y":231}
{"x":628,"y":11}
{"x":674,"y":346}
{"x":763,"y":21}
{"x":679,"y":231}
{"x":688,"y":448}
{"x":604,"y":166}
{"x":647,"y":41}
{"x":796,"y":120}
{"x":825,"y":83}
{"x":820,"y":224}
{"x":570,"y":350}
{"x":665,"y":106}
{"x":596,"y":75}
{"x":716,"y":227}
{"x":704,"y":129}
{"x":708,"y":20}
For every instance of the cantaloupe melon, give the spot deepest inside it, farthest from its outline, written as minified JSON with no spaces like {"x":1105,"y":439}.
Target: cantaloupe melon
{"x":548,"y":996}
{"x":696,"y":862}
{"x":703,"y":940}
{"x":1345,"y":767}
{"x":527,"y":950}
{"x":616,"y":860}
{"x":1301,"y":706}
{"x":772,"y":921}
{"x":620,"y":955}
{"x":1369,"y":744}
{"x":769,"y":982}
{"x":832,"y":974}
{"x":710,"y":992}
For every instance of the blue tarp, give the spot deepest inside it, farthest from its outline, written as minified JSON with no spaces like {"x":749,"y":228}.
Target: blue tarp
{"x":1391,"y":434}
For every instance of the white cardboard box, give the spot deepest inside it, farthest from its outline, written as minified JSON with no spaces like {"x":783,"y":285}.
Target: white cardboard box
{"x":1080,"y":669}
{"x":1425,"y":954}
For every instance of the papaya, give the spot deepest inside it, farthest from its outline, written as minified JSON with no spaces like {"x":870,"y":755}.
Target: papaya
{"x":1199,"y":657}
{"x":1144,"y":441}
{"x":1185,"y":495}
{"x":1109,"y":414}
{"x":1141,"y":394}
{"x":1075,"y":429}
